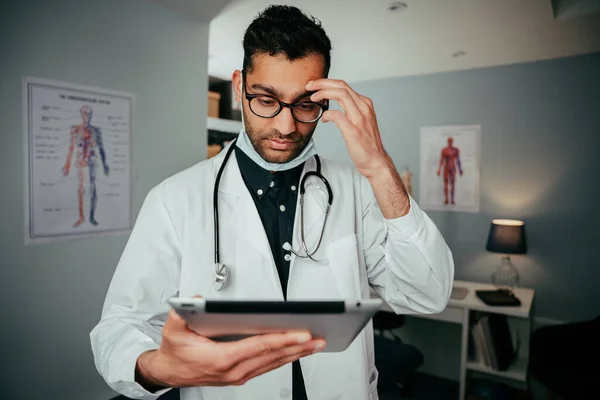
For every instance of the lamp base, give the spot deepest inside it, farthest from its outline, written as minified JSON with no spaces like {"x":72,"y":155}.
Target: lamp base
{"x":506,"y":275}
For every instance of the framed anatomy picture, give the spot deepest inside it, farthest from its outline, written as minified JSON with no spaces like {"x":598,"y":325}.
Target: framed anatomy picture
{"x":450,"y":168}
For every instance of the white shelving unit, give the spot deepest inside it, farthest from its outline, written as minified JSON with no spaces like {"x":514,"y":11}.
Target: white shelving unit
{"x":459,"y":312}
{"x":223,"y":125}
{"x":516,"y":372}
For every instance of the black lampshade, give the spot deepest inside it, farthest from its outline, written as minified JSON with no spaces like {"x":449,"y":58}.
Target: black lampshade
{"x":507,"y":236}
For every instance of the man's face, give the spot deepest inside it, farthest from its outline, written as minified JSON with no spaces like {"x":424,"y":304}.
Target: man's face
{"x":281,"y":138}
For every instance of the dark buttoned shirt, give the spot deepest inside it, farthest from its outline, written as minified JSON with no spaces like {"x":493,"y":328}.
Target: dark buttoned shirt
{"x":275,"y":195}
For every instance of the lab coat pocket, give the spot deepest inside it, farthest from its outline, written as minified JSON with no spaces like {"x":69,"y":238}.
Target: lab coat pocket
{"x":343,"y":260}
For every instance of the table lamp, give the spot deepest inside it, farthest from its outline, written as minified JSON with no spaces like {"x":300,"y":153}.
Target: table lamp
{"x":507,"y":236}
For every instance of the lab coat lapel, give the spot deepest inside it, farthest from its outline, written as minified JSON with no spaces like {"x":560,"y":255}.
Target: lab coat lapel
{"x":237,"y":208}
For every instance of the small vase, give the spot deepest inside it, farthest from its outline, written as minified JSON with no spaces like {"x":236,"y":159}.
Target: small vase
{"x":506,"y":275}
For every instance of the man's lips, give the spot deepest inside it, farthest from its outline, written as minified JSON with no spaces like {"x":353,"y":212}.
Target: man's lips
{"x":278,"y":144}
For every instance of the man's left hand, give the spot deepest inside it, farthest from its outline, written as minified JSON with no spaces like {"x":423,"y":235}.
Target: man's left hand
{"x":357,"y":123}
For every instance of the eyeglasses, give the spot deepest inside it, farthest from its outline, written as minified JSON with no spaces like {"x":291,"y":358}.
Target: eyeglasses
{"x":266,"y":106}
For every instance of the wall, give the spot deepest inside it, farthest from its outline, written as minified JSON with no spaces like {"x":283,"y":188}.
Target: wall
{"x":52,"y":294}
{"x":540,"y":140}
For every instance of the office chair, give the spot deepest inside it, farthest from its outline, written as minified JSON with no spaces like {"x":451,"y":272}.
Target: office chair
{"x":558,"y":355}
{"x":395,"y":361}
{"x":386,"y":322}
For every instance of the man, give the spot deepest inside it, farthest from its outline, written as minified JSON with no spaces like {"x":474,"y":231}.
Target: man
{"x":450,"y":160}
{"x":375,"y":235}
{"x":88,"y":140}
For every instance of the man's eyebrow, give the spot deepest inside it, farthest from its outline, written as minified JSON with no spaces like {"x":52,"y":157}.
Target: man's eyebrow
{"x":266,"y":88}
{"x":308,"y":93}
{"x":274,"y":92}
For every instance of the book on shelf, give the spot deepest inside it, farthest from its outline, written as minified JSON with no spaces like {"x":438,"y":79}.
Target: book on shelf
{"x":492,"y":343}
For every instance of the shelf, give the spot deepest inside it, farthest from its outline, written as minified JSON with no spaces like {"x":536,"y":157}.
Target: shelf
{"x":517,"y":371}
{"x":223,"y":125}
{"x":474,"y":303}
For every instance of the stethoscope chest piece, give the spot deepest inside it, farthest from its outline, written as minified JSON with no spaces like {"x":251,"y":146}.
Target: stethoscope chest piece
{"x":221,"y":276}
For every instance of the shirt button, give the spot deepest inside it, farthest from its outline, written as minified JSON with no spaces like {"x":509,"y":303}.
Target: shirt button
{"x":293,"y":188}
{"x":260,"y":192}
{"x":272,"y":184}
{"x":285,"y":393}
{"x":282,"y":208}
{"x":287,"y":257}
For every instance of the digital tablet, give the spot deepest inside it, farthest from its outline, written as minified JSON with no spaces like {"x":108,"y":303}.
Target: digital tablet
{"x":338,"y":322}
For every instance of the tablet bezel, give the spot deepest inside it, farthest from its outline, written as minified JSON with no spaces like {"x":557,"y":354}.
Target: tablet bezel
{"x":339,"y":322}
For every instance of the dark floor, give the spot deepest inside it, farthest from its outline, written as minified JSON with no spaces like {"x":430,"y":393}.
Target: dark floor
{"x":425,"y":387}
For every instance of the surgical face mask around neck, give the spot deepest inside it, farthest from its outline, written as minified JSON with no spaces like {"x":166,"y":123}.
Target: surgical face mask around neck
{"x":244,"y":144}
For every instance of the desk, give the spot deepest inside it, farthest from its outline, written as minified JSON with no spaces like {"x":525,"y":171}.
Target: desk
{"x":458,"y":311}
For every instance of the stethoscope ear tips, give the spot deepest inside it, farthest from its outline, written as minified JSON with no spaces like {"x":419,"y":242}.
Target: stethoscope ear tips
{"x":287,"y":246}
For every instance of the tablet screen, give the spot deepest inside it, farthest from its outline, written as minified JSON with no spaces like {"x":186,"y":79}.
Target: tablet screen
{"x":274,"y":307}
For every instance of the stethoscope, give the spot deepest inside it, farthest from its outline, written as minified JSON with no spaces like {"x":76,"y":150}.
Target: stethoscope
{"x":221,"y":271}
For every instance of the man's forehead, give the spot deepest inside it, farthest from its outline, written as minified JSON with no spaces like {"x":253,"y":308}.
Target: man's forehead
{"x":282,"y":75}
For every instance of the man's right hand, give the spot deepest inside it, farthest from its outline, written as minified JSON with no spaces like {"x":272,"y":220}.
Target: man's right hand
{"x":186,"y":359}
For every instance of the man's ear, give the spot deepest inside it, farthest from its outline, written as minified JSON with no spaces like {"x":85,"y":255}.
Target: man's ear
{"x":236,"y":82}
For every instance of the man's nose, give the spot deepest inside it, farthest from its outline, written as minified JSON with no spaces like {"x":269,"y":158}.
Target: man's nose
{"x":285,"y":122}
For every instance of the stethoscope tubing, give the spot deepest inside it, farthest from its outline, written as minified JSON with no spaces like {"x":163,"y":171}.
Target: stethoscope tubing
{"x":220,"y":269}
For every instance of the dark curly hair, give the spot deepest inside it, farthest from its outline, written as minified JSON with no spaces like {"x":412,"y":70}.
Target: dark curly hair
{"x":286,"y":29}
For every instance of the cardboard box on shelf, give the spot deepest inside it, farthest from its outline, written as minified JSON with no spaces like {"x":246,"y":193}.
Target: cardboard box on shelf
{"x":213,"y":150}
{"x":213,"y":104}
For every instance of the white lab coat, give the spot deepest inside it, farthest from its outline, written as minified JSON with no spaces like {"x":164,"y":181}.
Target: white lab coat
{"x":170,"y":253}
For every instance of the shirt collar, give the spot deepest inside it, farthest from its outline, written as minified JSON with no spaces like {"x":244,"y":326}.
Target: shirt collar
{"x":259,"y":179}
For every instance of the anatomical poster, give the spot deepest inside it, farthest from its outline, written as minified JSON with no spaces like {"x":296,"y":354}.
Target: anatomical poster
{"x":78,"y":172}
{"x":450,"y":168}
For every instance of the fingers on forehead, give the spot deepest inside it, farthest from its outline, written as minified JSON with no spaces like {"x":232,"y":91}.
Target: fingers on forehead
{"x":330,"y":83}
